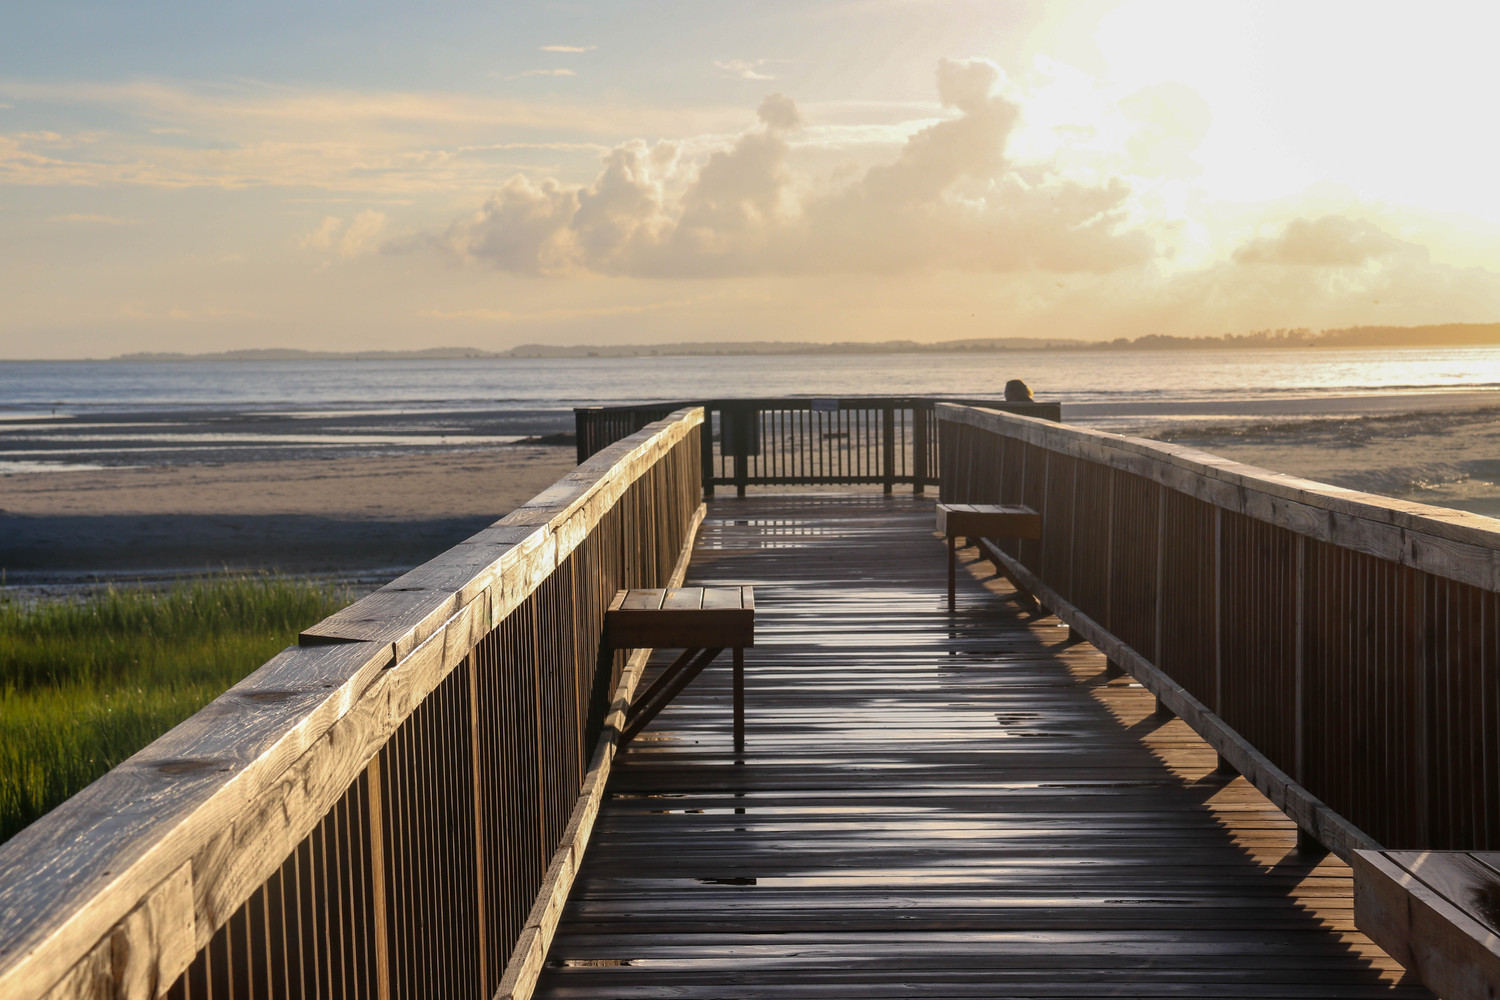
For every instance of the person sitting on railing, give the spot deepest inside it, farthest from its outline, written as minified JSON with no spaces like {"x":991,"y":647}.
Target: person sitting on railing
{"x":1017,"y":391}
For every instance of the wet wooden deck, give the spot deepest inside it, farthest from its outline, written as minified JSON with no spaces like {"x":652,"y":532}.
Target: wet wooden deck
{"x":934,"y":806}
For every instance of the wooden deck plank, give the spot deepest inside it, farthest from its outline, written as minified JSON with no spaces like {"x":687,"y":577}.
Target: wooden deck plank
{"x":934,"y":805}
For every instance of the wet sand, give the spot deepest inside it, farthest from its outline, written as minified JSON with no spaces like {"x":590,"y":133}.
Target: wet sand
{"x":377,"y":515}
{"x":1445,"y":458}
{"x":1448,"y":457}
{"x":349,"y":515}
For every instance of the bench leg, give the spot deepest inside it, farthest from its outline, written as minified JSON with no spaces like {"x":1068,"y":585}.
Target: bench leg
{"x":739,"y":700}
{"x":676,"y":677}
{"x":952,"y":570}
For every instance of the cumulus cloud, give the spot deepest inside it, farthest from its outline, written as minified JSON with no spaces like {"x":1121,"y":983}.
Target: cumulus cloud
{"x":541,"y":72}
{"x":361,"y":235}
{"x":84,"y":218}
{"x":745,"y":69}
{"x":949,"y":199}
{"x":1329,"y":241}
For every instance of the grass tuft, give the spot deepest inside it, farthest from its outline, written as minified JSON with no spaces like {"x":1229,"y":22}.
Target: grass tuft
{"x":84,"y":684}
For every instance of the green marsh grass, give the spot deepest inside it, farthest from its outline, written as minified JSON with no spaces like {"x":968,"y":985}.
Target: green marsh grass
{"x":86,"y":683}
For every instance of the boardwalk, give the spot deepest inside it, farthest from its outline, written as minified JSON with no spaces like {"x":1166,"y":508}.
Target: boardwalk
{"x":934,"y":806}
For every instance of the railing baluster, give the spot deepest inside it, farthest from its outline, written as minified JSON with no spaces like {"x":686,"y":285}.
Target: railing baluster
{"x":1327,"y":631}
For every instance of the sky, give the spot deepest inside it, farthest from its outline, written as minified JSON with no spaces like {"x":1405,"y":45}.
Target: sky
{"x":180,"y":176}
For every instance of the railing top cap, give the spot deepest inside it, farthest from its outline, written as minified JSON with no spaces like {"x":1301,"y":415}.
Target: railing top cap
{"x":69,"y":878}
{"x":1455,"y":544}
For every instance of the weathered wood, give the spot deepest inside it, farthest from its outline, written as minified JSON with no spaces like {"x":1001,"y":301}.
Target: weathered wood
{"x":1436,"y":913}
{"x":680,"y":618}
{"x":1348,"y":639}
{"x":1309,"y":812}
{"x":251,"y":774}
{"x":983,"y":521}
{"x":525,"y":962}
{"x":1453,"y":544}
{"x":963,"y":801}
{"x":852,"y":439}
{"x":988,"y":520}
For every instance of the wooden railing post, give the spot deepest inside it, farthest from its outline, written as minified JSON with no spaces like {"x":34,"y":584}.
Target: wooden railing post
{"x":376,"y":825}
{"x":888,"y":446}
{"x":476,"y":773}
{"x":1299,"y":708}
{"x":706,"y":449}
{"x":737,"y":430}
{"x":919,"y":448}
{"x":583,"y":424}
{"x":1218,"y":585}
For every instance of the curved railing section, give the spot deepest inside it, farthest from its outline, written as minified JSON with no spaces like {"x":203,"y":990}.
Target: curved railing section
{"x":392,"y":808}
{"x":1341,"y":650}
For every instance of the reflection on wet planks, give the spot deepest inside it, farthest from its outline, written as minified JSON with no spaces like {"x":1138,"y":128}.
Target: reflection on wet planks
{"x":934,"y":805}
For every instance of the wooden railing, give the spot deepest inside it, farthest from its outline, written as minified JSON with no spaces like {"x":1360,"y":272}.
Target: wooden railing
{"x":1339,"y":649}
{"x":394,"y":807}
{"x":877,"y":440}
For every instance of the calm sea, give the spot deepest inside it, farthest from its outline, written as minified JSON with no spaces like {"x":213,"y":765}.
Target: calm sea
{"x":81,"y":414}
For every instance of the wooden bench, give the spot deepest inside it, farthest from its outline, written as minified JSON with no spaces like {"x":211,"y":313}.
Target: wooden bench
{"x":1435,"y":912}
{"x":977,"y":520}
{"x":700,"y":621}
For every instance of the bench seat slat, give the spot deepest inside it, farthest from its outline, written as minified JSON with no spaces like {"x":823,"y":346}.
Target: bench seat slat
{"x":683,"y":618}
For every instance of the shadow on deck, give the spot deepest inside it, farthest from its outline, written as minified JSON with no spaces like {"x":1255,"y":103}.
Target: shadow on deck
{"x":934,"y":805}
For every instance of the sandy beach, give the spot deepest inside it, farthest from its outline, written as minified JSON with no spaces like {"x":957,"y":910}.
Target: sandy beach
{"x":349,"y":515}
{"x":371,"y":516}
{"x":1448,"y":457}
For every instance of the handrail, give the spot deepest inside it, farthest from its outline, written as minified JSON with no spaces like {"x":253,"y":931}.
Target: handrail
{"x":1338,"y":648}
{"x":801,"y":440}
{"x":386,"y":808}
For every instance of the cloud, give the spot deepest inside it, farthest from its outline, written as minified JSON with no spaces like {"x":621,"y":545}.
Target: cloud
{"x":1329,"y":241}
{"x":324,"y":236}
{"x":181,"y":314}
{"x":949,"y":199}
{"x":567,"y":48}
{"x":485,"y":315}
{"x":541,"y":72}
{"x":363,"y":234}
{"x":745,"y":69}
{"x":254,"y":135}
{"x":83,"y":218}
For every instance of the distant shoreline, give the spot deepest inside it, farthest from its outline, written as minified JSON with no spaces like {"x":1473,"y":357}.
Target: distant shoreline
{"x":1379,"y":337}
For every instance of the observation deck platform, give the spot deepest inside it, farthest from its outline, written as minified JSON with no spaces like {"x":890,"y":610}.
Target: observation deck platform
{"x":934,"y":805}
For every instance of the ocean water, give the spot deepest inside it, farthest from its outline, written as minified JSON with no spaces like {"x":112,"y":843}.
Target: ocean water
{"x":1071,"y":377}
{"x":87,"y":414}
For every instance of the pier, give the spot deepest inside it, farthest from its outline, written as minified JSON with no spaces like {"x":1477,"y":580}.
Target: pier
{"x":1138,"y":757}
{"x":934,"y":805}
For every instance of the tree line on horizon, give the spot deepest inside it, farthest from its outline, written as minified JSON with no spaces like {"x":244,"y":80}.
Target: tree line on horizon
{"x":1443,"y":335}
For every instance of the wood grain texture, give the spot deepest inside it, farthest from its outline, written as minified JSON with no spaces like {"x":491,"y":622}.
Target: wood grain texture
{"x":681,"y":617}
{"x":988,"y":520}
{"x":1436,"y":912}
{"x":1454,"y":544}
{"x":308,"y":719}
{"x":933,"y":805}
{"x":1307,"y":810}
{"x":519,"y":979}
